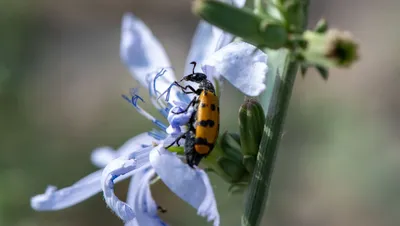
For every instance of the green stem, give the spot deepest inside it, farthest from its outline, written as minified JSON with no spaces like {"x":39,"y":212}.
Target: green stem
{"x":280,"y":79}
{"x":261,"y":181}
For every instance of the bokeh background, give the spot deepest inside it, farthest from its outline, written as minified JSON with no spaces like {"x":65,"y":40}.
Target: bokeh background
{"x":61,"y":82}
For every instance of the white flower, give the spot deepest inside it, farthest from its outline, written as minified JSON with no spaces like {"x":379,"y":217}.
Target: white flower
{"x":143,"y":157}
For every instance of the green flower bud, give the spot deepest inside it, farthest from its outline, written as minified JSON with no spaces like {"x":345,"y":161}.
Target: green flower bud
{"x":242,"y":22}
{"x":231,"y":146}
{"x":237,"y":188}
{"x":212,"y":163}
{"x":331,"y":49}
{"x":226,"y":160}
{"x":236,"y":137}
{"x":321,"y":27}
{"x":251,"y":123}
{"x":249,"y":163}
{"x":232,"y":168}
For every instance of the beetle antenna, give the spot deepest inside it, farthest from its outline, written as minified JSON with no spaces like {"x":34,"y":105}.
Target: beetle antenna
{"x":194,"y":66}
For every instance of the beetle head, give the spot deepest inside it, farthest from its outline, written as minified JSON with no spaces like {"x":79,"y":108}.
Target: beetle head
{"x":195,"y":77}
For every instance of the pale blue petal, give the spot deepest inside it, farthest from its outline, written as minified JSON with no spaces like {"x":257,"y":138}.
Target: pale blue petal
{"x":54,"y":199}
{"x":141,"y":201}
{"x":238,"y":3}
{"x":242,"y":64}
{"x":132,"y":223}
{"x":142,"y":53}
{"x":103,"y":155}
{"x":122,"y":166}
{"x":144,"y":205}
{"x":83,"y":189}
{"x":223,"y":40}
{"x":173,"y":131}
{"x":192,"y":185}
{"x":205,"y":41}
{"x":135,"y":184}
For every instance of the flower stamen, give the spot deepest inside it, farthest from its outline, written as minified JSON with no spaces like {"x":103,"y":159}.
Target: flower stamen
{"x":133,"y":101}
{"x":157,"y":134}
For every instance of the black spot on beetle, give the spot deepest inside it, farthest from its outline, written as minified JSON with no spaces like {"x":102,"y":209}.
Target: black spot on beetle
{"x":212,"y":107}
{"x":200,"y":140}
{"x":203,"y":105}
{"x":218,"y":109}
{"x":203,"y":141}
{"x":203,"y":123}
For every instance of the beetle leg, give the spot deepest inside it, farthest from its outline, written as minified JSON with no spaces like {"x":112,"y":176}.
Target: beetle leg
{"x":162,"y":210}
{"x":176,"y":141}
{"x":192,"y":103}
{"x":184,"y":88}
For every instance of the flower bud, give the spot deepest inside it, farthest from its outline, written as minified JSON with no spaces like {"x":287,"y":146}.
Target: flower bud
{"x":331,"y":49}
{"x":232,"y":168}
{"x":251,"y":123}
{"x":226,"y":159}
{"x":322,"y":26}
{"x":242,"y":22}
{"x":237,"y":188}
{"x":231,"y":162}
{"x":249,"y":163}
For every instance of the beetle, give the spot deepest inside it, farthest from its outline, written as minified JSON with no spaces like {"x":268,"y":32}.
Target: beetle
{"x":203,"y":128}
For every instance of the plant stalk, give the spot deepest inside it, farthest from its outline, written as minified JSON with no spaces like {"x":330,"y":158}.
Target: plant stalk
{"x":260,"y":183}
{"x":280,"y":79}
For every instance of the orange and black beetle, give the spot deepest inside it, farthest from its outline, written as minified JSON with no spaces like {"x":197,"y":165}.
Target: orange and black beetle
{"x":204,"y":123}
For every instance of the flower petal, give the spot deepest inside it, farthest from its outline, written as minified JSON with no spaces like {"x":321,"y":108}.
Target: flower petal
{"x":144,"y":204}
{"x":83,"y":189}
{"x":143,"y":53}
{"x":191,"y":185}
{"x":224,"y":38}
{"x":241,"y":64}
{"x":122,"y":166}
{"x":132,"y":223}
{"x":101,"y":156}
{"x":203,"y":44}
{"x":207,"y":39}
{"x":238,"y":3}
{"x":69,"y":196}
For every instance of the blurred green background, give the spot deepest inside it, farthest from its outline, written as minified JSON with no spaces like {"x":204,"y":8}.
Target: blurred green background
{"x":61,"y":80}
